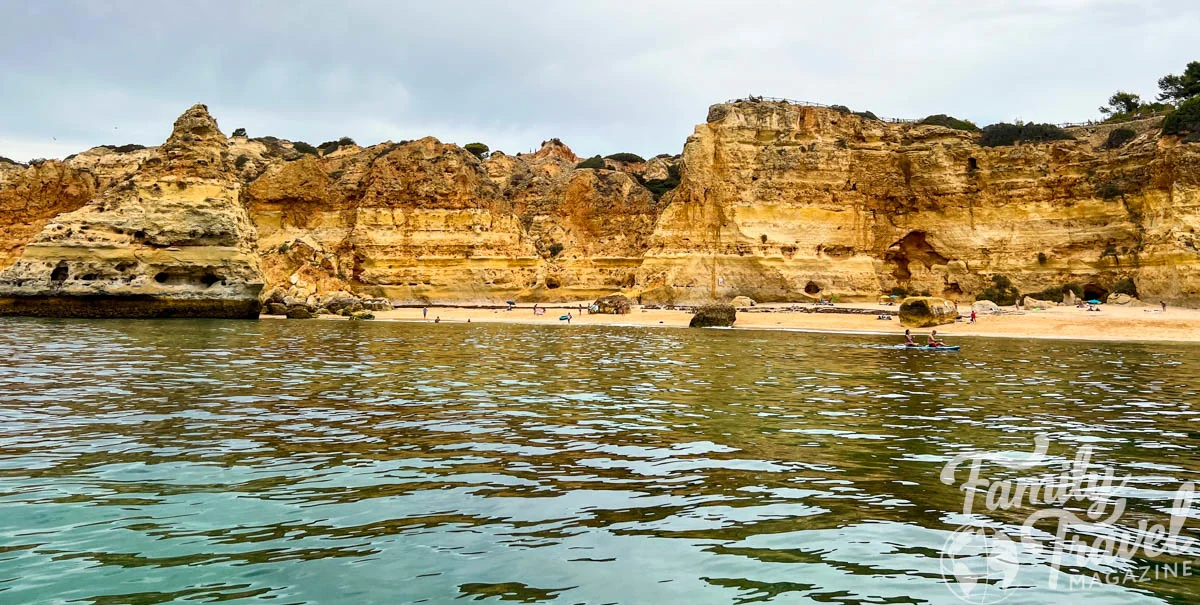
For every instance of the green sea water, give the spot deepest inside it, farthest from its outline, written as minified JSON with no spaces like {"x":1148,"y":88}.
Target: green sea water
{"x":372,"y":462}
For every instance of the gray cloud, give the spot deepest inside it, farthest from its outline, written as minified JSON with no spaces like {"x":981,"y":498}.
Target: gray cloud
{"x":603,"y":76}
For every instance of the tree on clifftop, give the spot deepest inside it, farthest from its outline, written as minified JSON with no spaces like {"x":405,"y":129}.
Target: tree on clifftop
{"x":1181,"y":88}
{"x":479,"y":150}
{"x":1122,"y":102}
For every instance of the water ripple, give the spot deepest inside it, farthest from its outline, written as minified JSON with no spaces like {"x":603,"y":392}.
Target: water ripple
{"x":322,"y":462}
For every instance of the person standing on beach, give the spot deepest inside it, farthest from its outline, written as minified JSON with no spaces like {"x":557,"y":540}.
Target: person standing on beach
{"x":972,"y":315}
{"x":424,"y":312}
{"x":1164,"y":305}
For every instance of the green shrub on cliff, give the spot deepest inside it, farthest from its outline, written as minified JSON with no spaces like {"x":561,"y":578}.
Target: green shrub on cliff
{"x":1003,"y":134}
{"x":625,"y":157}
{"x":1001,"y":292}
{"x":303,"y":147}
{"x":1185,"y":119}
{"x":867,"y":115}
{"x":478,"y":150}
{"x":329,"y":147}
{"x":1146,"y":110}
{"x":660,"y":187}
{"x":1118,"y":137}
{"x":595,"y":162}
{"x":942,"y":119}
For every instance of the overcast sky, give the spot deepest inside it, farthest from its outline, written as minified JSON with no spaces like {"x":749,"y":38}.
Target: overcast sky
{"x":603,"y":75}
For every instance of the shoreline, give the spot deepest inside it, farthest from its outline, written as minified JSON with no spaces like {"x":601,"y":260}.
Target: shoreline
{"x":1112,"y":324}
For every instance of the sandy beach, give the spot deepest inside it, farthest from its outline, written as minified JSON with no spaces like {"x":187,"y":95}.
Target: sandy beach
{"x":1112,"y":322}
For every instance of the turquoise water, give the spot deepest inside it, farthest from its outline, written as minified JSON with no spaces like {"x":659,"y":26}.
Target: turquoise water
{"x":371,"y":462}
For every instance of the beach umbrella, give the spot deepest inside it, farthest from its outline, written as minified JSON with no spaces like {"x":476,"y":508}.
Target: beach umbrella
{"x":510,"y":303}
{"x":1094,"y":302}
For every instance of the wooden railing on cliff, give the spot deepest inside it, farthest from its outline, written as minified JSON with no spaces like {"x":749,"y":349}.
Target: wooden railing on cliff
{"x":756,"y":98}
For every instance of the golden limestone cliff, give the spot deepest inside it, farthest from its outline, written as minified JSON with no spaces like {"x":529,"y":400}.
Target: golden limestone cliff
{"x":423,"y":221}
{"x":777,"y":202}
{"x":172,"y":238}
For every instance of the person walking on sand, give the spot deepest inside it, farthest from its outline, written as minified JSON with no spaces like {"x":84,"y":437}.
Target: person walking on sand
{"x":424,"y":312}
{"x":568,"y":317}
{"x":1164,"y":305}
{"x":972,"y":315}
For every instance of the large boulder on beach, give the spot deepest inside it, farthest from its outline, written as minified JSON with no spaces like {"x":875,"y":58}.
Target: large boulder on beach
{"x":1030,"y":302}
{"x":742,"y":301}
{"x":613,"y":304}
{"x":985,"y":307}
{"x":1120,"y":299}
{"x":714,"y":316}
{"x":336,"y":301}
{"x":299,"y":312}
{"x":275,"y":309}
{"x":927,"y":311}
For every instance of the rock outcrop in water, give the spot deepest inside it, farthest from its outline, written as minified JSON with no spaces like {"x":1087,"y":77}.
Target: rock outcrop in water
{"x":776,"y":202}
{"x":170,"y":239}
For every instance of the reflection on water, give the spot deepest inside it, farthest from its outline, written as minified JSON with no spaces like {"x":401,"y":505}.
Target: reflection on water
{"x":322,"y":462}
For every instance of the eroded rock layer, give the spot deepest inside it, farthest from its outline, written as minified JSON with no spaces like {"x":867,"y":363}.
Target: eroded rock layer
{"x":779,"y":199}
{"x":170,"y":239}
{"x":776,"y":202}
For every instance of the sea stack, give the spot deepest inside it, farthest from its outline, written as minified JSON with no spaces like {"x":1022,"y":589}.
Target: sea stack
{"x":173,"y":239}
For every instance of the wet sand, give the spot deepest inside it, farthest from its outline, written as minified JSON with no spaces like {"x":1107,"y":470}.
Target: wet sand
{"x":1111,"y":323}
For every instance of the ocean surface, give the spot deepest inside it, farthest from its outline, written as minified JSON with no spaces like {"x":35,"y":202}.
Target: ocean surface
{"x":372,"y":462}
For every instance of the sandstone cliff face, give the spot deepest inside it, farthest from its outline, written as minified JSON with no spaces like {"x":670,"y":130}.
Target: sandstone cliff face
{"x":171,"y":239}
{"x":32,"y":195}
{"x":424,"y":221}
{"x":778,"y":200}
